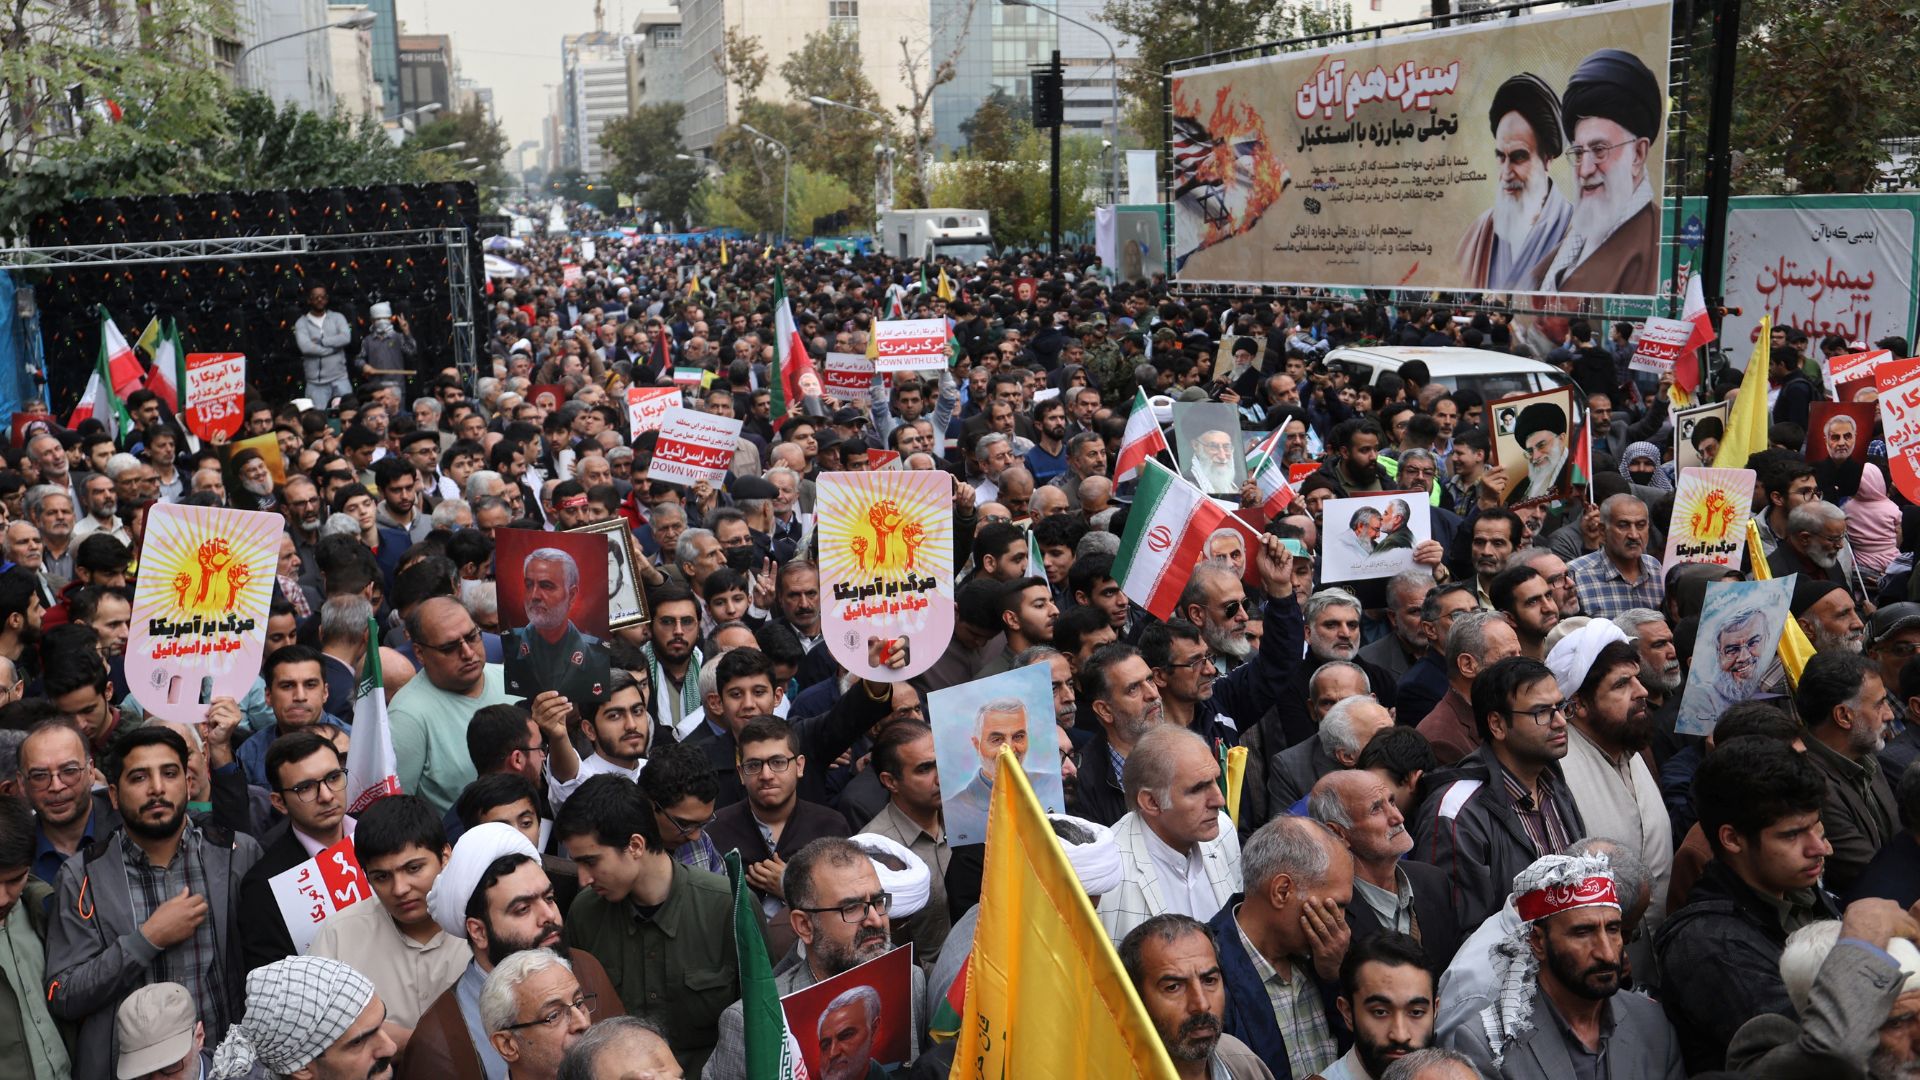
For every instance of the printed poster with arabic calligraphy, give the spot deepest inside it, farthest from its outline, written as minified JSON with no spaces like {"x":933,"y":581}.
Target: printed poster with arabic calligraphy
{"x":886,"y":570}
{"x":200,"y":608}
{"x":1382,"y":163}
{"x":1710,"y":511}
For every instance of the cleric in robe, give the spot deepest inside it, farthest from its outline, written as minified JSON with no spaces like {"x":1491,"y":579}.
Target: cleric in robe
{"x":1541,"y":431}
{"x":1611,"y":111}
{"x":1530,"y":214}
{"x":550,"y":653}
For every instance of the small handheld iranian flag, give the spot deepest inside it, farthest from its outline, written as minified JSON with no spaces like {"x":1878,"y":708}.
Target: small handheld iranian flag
{"x":1270,"y":476}
{"x":1166,"y":537}
{"x":117,"y":360}
{"x":772,"y":1052}
{"x":1142,"y":440}
{"x":371,"y":767}
{"x":793,"y":375}
{"x":686,"y":376}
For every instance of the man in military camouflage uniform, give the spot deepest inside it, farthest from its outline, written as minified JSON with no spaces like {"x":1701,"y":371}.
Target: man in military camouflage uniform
{"x":550,"y":653}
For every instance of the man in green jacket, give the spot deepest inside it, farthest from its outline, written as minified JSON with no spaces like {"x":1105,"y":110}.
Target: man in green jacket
{"x":27,"y":1033}
{"x":663,"y":930}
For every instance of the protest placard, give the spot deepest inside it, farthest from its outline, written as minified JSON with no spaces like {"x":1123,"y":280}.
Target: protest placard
{"x":910,"y":344}
{"x":881,"y":459}
{"x":1710,"y":511}
{"x":318,"y":889}
{"x":859,"y":1023}
{"x":1532,"y":438}
{"x":1850,"y":367}
{"x":1740,"y":626}
{"x":1839,"y":430}
{"x":848,"y":373}
{"x":693,"y":446}
{"x":971,"y":723}
{"x":200,"y":608}
{"x":1372,"y":536}
{"x":216,"y":393}
{"x":1660,"y":344}
{"x":886,"y":570}
{"x":647,"y":406}
{"x":1697,"y":433}
{"x":1898,"y":382}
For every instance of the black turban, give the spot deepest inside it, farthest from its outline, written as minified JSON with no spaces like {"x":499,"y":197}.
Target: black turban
{"x":1613,"y":84}
{"x":1707,"y":428}
{"x":1530,"y":96}
{"x":1537,"y":417}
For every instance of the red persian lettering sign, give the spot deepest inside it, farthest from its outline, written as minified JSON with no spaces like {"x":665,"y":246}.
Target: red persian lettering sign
{"x":693,"y":446}
{"x":1660,"y":344}
{"x":910,"y":344}
{"x":1899,"y":385}
{"x":216,"y":393}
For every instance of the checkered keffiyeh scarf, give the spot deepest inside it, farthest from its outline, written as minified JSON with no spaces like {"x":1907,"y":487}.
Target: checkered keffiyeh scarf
{"x":296,"y":1009}
{"x":1515,"y":971}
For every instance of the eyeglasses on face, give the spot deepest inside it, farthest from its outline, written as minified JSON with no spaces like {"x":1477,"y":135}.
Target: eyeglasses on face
{"x":309,"y":790}
{"x":777,"y":764}
{"x":584,"y":1005}
{"x":855,"y":910}
{"x":471,"y":640}
{"x":1543,"y":715}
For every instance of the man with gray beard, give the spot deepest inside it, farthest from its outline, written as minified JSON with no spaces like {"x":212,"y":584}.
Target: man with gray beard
{"x":1737,"y":674}
{"x":1612,"y":111}
{"x":1843,"y":703}
{"x":1215,"y":600}
{"x":1529,"y":215}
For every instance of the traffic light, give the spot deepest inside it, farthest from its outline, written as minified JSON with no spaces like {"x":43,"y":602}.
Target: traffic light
{"x":1045,"y":91}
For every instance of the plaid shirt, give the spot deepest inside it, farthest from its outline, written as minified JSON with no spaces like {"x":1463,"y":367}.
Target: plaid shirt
{"x":196,"y":962}
{"x":1605,"y":594}
{"x":1311,"y":1045}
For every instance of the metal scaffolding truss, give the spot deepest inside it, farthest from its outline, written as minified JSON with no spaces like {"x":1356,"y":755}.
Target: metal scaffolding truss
{"x":139,"y":253}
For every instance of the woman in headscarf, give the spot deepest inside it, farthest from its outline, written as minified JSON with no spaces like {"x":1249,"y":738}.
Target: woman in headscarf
{"x":1873,"y":525}
{"x":1640,"y":464}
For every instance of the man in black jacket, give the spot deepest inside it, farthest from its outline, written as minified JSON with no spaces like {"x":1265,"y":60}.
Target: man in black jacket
{"x":1719,"y":956}
{"x":1507,"y":804}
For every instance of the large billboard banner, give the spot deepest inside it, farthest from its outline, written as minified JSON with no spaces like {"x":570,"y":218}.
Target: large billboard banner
{"x":1520,"y":155}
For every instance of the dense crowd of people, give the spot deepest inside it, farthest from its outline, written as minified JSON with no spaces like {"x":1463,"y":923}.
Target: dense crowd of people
{"x":1472,"y":838}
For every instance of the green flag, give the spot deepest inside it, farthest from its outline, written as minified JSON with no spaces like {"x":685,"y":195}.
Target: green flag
{"x":772,"y":1052}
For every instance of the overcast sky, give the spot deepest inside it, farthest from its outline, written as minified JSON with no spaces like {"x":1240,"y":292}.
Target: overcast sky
{"x":512,"y":46}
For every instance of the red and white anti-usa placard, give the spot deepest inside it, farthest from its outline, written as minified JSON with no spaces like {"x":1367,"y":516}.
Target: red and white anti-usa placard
{"x":216,"y":393}
{"x":910,"y":344}
{"x":1660,"y":344}
{"x":848,"y":374}
{"x":693,"y":446}
{"x":647,"y":406}
{"x":1899,"y":384}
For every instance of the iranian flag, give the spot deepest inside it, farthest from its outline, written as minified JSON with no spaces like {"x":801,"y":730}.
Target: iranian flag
{"x":1167,"y":531}
{"x":793,"y":372}
{"x":122,"y":367}
{"x":99,"y":403}
{"x":1142,"y":440}
{"x":1270,"y":476}
{"x":371,"y":767}
{"x":169,"y":376}
{"x":1686,"y":370}
{"x":772,"y":1053}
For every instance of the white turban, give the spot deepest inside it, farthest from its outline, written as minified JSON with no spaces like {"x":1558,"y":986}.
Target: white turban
{"x":909,"y":886}
{"x":297,"y":1009}
{"x":478,"y":848}
{"x":1097,"y":862}
{"x":1573,"y":657}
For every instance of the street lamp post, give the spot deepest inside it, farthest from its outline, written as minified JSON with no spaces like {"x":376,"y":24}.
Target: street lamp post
{"x":358,"y":21}
{"x":882,"y":190}
{"x":1113,"y":59}
{"x":786,"y":173}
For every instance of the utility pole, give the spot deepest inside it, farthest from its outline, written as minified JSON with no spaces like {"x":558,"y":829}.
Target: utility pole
{"x":1726,"y":37}
{"x":1049,"y":112}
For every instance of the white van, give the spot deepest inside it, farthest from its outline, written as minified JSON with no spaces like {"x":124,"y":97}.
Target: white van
{"x":1493,"y":375}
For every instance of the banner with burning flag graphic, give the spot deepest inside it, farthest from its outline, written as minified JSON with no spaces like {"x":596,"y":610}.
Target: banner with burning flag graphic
{"x":1374,"y":163}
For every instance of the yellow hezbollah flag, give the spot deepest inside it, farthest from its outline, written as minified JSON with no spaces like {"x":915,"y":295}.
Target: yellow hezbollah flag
{"x":946,"y":286}
{"x":1046,"y":996}
{"x":1236,"y":773}
{"x":149,"y":340}
{"x":1795,"y":648}
{"x":1747,"y":424}
{"x":723,"y":251}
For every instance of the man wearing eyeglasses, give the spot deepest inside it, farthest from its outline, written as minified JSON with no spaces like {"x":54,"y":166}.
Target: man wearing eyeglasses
{"x":1611,"y":112}
{"x":838,"y":911}
{"x":307,"y":781}
{"x":56,"y":774}
{"x":1509,"y":805}
{"x":533,"y":1009}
